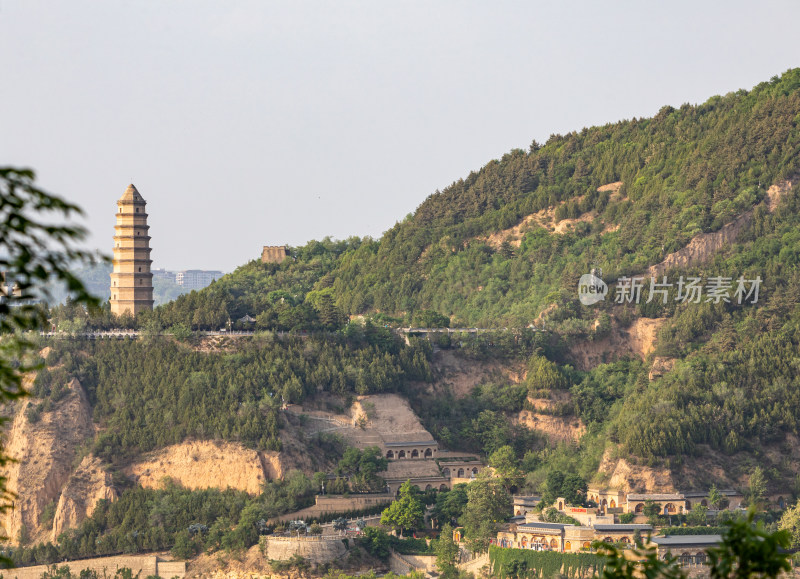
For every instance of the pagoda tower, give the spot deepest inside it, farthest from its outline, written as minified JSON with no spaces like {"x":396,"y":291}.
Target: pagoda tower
{"x":131,"y":280}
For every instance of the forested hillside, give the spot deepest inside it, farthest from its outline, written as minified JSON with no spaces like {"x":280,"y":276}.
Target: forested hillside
{"x":684,"y":171}
{"x":711,"y":397}
{"x":151,"y":393}
{"x":505,"y":247}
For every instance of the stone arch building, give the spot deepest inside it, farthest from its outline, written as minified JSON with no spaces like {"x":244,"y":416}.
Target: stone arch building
{"x":689,"y":549}
{"x":399,"y":450}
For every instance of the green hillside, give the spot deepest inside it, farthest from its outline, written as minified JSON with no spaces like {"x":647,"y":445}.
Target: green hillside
{"x":684,"y":172}
{"x":182,"y":393}
{"x":502,"y":249}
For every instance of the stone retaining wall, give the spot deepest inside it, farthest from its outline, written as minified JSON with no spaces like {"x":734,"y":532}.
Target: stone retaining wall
{"x":336,"y":504}
{"x":144,"y":564}
{"x":317,"y":549}
{"x":169,"y":569}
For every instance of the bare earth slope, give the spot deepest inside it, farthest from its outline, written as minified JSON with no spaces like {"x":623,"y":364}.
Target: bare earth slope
{"x":546,"y":219}
{"x":44,"y":452}
{"x":206,"y":464}
{"x":543,"y":419}
{"x":701,"y":249}
{"x":634,"y":478}
{"x":461,"y":375}
{"x":637,"y":340}
{"x":373,"y":420}
{"x":88,"y":484}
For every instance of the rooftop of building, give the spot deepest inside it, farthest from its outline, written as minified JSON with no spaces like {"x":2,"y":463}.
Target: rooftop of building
{"x":525,"y":500}
{"x":204,"y":271}
{"x":132,"y":195}
{"x":686,"y":540}
{"x":655,"y":497}
{"x":704,"y":494}
{"x":405,"y":469}
{"x":572,"y":530}
{"x":429,"y":442}
{"x":622,"y":528}
{"x":540,"y":525}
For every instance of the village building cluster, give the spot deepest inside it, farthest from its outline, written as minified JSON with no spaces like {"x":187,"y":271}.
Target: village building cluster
{"x":600,"y":523}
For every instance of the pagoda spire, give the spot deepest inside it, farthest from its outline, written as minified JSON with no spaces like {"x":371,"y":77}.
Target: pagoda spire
{"x":131,"y":279}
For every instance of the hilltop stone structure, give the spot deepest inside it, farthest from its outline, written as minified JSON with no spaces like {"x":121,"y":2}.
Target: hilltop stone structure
{"x":131,"y":279}
{"x":274,"y":253}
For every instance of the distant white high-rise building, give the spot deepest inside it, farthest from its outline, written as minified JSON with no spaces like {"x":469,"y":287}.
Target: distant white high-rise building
{"x":196,"y":278}
{"x":159,"y":273}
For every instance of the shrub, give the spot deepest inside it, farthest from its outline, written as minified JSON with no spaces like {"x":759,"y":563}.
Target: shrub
{"x":376,"y":542}
{"x":516,"y":563}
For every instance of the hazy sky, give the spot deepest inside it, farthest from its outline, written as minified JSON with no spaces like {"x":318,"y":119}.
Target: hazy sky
{"x":262,"y":123}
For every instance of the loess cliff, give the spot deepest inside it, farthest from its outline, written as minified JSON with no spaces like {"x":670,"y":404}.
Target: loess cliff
{"x":43,"y":453}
